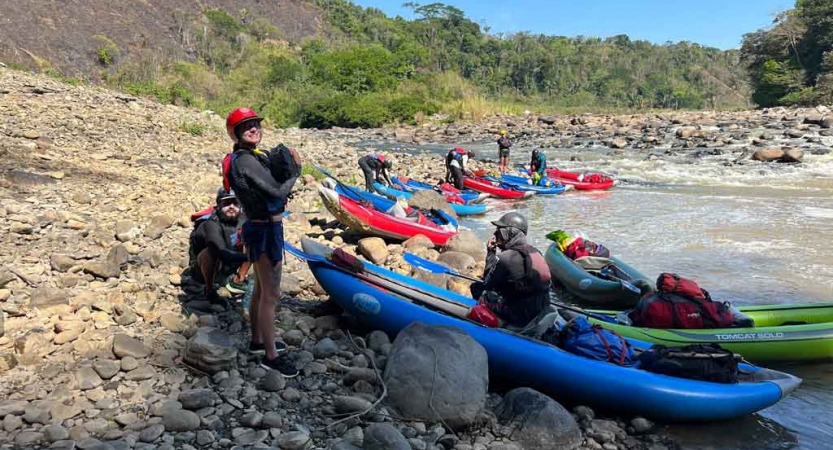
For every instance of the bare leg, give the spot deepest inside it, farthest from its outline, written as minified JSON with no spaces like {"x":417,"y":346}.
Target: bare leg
{"x":254,"y":304}
{"x":208,"y":267}
{"x":269,"y":278}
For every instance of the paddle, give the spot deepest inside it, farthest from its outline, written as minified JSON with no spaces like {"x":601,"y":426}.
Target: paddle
{"x":627,"y":284}
{"x":430,"y":266}
{"x":345,"y":186}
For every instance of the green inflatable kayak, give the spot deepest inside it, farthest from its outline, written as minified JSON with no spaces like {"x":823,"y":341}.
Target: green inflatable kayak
{"x":796,"y":333}
{"x":593,"y":289}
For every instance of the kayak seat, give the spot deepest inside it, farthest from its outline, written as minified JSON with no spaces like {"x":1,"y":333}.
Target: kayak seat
{"x":537,"y":326}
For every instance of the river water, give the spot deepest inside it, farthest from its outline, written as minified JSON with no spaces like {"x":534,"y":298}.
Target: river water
{"x":750,"y":234}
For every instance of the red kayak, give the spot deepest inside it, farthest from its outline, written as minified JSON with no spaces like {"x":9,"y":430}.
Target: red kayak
{"x":366,"y":219}
{"x":481,"y":185}
{"x":581,"y":181}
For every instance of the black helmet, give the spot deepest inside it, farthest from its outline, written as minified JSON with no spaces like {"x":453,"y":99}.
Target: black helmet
{"x":388,"y":164}
{"x":535,"y":152}
{"x":512,"y":219}
{"x":223,"y":195}
{"x":471,"y":154}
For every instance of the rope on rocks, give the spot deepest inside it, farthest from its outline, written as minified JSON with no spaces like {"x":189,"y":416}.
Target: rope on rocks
{"x":378,"y":377}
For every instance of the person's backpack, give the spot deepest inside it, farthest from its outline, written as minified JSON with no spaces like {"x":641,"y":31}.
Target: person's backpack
{"x":666,"y":310}
{"x":283,"y":164}
{"x":579,"y":337}
{"x":581,"y":247}
{"x":198,"y":218}
{"x":706,"y":362}
{"x":675,"y":284}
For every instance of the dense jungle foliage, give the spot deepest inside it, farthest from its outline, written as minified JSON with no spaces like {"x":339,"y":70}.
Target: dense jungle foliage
{"x":366,"y":69}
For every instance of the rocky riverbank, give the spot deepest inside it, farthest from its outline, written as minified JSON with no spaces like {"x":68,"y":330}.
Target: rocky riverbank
{"x":102,"y":346}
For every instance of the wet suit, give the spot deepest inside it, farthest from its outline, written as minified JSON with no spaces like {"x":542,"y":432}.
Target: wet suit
{"x":374,"y":170}
{"x":457,"y":166}
{"x":516,"y":285}
{"x":263,"y":201}
{"x":219,"y":237}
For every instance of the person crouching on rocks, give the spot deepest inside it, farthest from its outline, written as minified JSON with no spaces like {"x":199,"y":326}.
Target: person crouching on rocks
{"x":456,"y":164}
{"x":375,"y":169}
{"x":517,"y":279}
{"x":214,"y":248}
{"x":263,"y":200}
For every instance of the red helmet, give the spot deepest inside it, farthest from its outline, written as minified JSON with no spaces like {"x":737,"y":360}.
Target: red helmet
{"x":238,"y":116}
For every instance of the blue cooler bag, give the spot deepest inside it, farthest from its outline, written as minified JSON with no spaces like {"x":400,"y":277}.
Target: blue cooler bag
{"x":592,"y":341}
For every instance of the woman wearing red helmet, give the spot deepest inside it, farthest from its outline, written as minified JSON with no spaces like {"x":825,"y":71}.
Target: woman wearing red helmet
{"x":263,"y":200}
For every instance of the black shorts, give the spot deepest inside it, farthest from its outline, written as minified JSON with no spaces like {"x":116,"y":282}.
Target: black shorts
{"x":264,"y":237}
{"x":503,"y":153}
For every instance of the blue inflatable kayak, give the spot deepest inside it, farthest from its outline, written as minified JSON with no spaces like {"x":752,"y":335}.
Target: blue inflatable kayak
{"x":459,"y":208}
{"x":467,"y":195}
{"x":383,"y":204}
{"x":524,"y":184}
{"x":390,"y":302}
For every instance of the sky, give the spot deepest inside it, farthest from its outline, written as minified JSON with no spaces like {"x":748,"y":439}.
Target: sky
{"x":713,"y":23}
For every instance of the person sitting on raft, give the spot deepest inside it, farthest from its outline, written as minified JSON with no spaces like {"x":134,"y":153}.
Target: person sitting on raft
{"x":215,"y":251}
{"x":517,"y":279}
{"x":538,"y":166}
{"x":456,"y":165}
{"x":375,"y":168}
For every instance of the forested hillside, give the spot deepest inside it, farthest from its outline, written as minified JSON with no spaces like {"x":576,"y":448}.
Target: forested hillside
{"x":361,"y":68}
{"x":791,"y":63}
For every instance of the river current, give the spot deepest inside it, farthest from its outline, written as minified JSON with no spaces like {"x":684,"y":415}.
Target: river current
{"x":750,"y":234}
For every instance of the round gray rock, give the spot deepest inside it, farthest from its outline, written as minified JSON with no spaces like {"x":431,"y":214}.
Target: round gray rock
{"x":435,"y":370}
{"x":383,"y":436}
{"x":538,"y":421}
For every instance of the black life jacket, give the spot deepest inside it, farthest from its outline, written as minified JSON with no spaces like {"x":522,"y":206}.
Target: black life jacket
{"x":533,"y":282}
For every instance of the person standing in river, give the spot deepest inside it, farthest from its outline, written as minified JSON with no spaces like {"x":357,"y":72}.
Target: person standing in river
{"x":503,"y":145}
{"x":263,"y":198}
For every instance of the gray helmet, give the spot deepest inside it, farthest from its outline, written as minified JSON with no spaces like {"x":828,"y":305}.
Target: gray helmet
{"x":223,"y":195}
{"x":512,"y":219}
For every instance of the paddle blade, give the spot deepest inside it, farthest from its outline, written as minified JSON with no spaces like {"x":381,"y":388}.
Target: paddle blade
{"x":424,"y":264}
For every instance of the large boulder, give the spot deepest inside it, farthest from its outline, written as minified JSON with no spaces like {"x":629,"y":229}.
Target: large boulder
{"x":792,"y":155}
{"x":211,"y":350}
{"x":768,"y":154}
{"x":417,"y":241}
{"x":427,"y":199}
{"x":458,"y":261}
{"x":827,"y":122}
{"x":374,"y":249}
{"x":538,"y":421}
{"x":686,"y":132}
{"x":436,"y":370}
{"x":466,"y":241}
{"x":45,"y":296}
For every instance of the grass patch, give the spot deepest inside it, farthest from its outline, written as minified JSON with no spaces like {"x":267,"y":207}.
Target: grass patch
{"x":194,"y":128}
{"x":308,"y":169}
